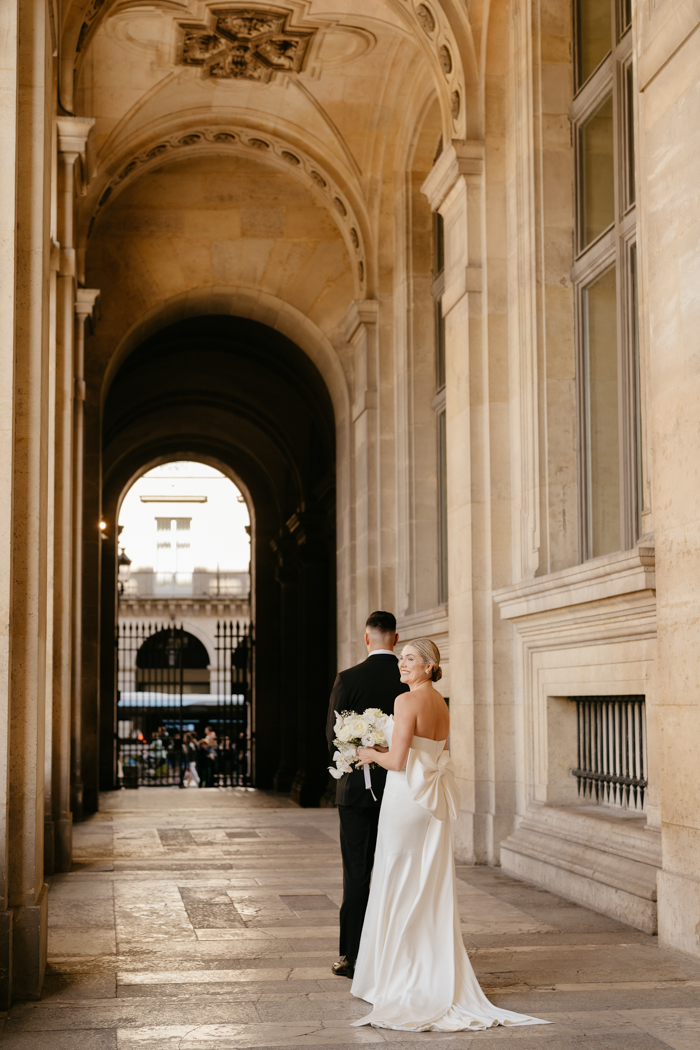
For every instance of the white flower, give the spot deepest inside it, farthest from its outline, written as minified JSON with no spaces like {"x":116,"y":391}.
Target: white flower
{"x":357,"y":727}
{"x":351,"y":730}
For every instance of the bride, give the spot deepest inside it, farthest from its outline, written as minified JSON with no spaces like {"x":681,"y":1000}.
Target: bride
{"x":412,"y":964}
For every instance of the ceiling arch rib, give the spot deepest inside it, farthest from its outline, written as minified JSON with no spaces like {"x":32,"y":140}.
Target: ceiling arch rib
{"x":440,"y":27}
{"x":235,"y":139}
{"x":433,"y":29}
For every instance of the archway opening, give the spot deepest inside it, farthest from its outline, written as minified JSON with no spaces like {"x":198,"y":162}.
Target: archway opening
{"x":236,"y":396}
{"x":184,"y":712}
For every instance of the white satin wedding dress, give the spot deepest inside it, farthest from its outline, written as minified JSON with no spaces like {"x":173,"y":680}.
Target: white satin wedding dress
{"x":412,"y":964}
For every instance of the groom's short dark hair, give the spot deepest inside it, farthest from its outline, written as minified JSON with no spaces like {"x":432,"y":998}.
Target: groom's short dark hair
{"x":381,"y":621}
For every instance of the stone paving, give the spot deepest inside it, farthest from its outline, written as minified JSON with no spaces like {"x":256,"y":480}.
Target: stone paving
{"x":207,"y":920}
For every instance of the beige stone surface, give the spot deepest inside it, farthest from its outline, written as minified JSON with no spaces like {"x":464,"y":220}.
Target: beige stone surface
{"x":141,"y":192}
{"x":131,"y":974}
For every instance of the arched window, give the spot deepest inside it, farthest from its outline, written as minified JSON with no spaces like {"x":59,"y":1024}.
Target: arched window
{"x":172,"y":647}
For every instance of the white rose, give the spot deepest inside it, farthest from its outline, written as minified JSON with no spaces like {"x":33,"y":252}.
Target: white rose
{"x":345,"y":733}
{"x":357,"y":727}
{"x":373,"y":713}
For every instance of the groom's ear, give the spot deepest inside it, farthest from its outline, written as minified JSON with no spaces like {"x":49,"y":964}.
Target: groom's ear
{"x":396,"y":639}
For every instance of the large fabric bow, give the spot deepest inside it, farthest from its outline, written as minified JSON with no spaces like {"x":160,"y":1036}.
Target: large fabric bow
{"x":433,"y":784}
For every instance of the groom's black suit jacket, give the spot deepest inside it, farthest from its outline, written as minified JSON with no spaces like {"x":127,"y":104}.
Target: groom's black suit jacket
{"x":373,"y":683}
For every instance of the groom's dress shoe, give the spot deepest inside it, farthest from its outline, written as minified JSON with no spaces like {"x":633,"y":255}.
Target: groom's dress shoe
{"x":343,"y":968}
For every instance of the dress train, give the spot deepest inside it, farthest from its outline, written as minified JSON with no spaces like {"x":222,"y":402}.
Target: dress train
{"x":412,"y":964}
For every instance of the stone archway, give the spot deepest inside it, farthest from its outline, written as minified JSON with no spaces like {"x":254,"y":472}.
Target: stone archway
{"x":235,"y":391}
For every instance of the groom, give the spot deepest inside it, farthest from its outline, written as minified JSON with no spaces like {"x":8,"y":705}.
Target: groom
{"x":373,"y":683}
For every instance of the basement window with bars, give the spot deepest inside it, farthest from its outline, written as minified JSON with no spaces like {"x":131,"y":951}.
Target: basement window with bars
{"x":604,"y":275}
{"x":611,"y":761}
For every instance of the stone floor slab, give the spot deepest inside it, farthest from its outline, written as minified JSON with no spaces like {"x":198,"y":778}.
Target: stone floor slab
{"x":213,"y":924}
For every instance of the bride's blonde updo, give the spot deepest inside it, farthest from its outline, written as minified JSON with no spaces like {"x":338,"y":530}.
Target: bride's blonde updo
{"x":430,"y":653}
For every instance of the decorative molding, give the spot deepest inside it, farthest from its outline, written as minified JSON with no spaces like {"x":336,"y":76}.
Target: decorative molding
{"x":367,"y":400}
{"x":605,"y":860}
{"x":359,"y":312}
{"x":87,"y":304}
{"x":75,"y":137}
{"x":459,"y":158}
{"x":91,"y":16}
{"x":425,"y":622}
{"x":244,"y":44}
{"x":245,"y":141}
{"x":614,"y":576}
{"x":434,"y":25}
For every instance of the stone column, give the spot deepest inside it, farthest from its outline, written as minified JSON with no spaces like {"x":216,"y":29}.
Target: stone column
{"x":668,"y":175}
{"x":454,"y":188}
{"x":86,"y":303}
{"x":287,"y":576}
{"x":9,"y":103}
{"x":27,"y":469}
{"x":360,"y":325}
{"x":311,"y":776}
{"x":72,"y":142}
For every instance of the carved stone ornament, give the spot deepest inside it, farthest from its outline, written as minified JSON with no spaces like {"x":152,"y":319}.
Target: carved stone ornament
{"x":245,"y":44}
{"x":426,"y":18}
{"x":445,"y":59}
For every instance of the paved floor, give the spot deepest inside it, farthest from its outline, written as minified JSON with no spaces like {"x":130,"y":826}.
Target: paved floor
{"x":207,"y":920}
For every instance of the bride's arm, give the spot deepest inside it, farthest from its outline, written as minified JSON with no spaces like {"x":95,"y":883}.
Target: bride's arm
{"x":404,"y":728}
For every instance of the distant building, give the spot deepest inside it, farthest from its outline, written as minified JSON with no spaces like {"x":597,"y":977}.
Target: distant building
{"x":185,"y":551}
{"x":184,"y":606}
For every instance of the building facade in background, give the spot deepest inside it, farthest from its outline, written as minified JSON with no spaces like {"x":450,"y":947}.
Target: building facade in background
{"x":420,"y":278}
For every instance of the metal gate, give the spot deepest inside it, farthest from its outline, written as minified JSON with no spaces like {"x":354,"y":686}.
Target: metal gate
{"x":181,"y":719}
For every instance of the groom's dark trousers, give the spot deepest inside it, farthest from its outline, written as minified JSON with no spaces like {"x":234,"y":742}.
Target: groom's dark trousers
{"x":373,"y":683}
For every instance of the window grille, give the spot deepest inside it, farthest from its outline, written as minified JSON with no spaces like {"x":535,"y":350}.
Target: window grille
{"x":611,"y":750}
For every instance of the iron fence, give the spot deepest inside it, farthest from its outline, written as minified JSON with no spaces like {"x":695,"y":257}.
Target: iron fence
{"x":184,"y":713}
{"x":612,"y":762}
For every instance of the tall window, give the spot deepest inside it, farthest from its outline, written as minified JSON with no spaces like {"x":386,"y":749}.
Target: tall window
{"x":605,"y":278}
{"x":439,"y":402}
{"x":173,"y":545}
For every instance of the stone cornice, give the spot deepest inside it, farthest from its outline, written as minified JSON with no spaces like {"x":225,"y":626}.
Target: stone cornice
{"x":73,"y":133}
{"x":87,"y":303}
{"x":614,"y":576}
{"x":459,"y":158}
{"x":359,"y":312}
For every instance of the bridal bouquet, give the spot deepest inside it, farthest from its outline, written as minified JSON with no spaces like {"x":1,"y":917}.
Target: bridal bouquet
{"x":353,"y":731}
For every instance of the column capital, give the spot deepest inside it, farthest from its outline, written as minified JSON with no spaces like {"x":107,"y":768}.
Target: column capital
{"x":73,"y":133}
{"x":75,"y":143}
{"x":87,"y":304}
{"x":359,"y":312}
{"x":458,"y":159}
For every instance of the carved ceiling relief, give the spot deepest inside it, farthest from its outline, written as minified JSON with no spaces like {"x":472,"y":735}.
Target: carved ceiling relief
{"x":245,"y":44}
{"x":241,"y":141}
{"x":433,"y":23}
